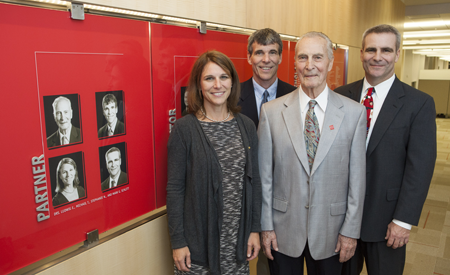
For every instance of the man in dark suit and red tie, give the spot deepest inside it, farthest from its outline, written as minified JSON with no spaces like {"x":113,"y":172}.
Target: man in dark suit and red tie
{"x":264,"y":54}
{"x":400,"y":155}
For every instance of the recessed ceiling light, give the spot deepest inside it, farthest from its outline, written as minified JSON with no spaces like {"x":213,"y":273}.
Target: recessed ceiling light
{"x":436,"y":23}
{"x":426,"y":34}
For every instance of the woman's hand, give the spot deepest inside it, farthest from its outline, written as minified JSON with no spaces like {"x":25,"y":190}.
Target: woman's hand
{"x":182,"y":258}
{"x":253,"y":246}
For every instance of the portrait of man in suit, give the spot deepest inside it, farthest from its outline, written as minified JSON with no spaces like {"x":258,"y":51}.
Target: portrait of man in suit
{"x":113,"y":125}
{"x":66,"y":133}
{"x":312,"y":165}
{"x":264,"y":54}
{"x":400,"y":154}
{"x":116,"y":175}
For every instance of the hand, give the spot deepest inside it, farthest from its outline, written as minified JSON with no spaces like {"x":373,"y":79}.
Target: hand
{"x":182,"y":258}
{"x":253,"y":245}
{"x":269,"y":239}
{"x":396,"y":236}
{"x":347,"y":247}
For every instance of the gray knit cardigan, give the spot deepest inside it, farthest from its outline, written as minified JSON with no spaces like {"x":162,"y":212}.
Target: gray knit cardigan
{"x":194,"y":192}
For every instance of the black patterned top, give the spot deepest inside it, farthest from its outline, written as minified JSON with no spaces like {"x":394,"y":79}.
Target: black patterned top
{"x":226,"y":139}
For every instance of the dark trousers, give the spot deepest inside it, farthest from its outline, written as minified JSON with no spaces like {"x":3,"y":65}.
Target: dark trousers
{"x":380,"y":259}
{"x":285,"y":265}
{"x":262,"y":267}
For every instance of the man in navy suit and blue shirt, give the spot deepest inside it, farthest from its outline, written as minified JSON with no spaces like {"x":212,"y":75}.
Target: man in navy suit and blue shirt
{"x":400,"y":155}
{"x":264,"y":54}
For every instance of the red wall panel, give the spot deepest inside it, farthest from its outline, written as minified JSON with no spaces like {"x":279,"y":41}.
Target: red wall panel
{"x":174,"y":51}
{"x":44,"y":54}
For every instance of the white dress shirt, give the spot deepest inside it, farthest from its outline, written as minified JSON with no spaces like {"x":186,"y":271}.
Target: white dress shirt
{"x":319,"y":109}
{"x":112,"y":126}
{"x":115,"y":179}
{"x":67,"y":135}
{"x":381,"y":92}
{"x":259,"y":93}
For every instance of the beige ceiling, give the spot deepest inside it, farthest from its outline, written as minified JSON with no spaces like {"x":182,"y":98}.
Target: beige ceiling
{"x":435,"y":10}
{"x":423,"y":13}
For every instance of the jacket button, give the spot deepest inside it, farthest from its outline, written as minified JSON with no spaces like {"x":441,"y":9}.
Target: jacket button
{"x":307,"y":206}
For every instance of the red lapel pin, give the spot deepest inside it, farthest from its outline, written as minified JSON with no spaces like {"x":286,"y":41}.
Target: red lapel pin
{"x":331,"y":127}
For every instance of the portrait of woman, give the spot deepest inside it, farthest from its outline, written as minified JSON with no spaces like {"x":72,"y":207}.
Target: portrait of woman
{"x":213,"y":188}
{"x":67,"y":183}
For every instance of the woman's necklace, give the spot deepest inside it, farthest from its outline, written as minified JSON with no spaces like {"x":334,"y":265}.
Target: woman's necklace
{"x":201,"y":109}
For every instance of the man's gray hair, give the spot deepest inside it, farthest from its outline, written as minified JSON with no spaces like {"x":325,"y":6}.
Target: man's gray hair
{"x":383,"y":28}
{"x":264,"y":37}
{"x":58,"y":99}
{"x":317,"y":34}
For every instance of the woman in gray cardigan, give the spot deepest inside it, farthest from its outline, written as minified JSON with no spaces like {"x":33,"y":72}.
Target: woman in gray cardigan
{"x":213,"y":188}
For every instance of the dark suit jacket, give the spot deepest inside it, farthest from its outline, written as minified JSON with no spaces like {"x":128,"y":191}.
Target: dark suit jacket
{"x":54,"y":139}
{"x":247,"y":100}
{"x":400,"y":158}
{"x":120,"y":129}
{"x":123,"y":178}
{"x":59,"y":198}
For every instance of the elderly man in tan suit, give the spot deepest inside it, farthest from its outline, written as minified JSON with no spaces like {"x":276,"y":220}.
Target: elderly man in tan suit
{"x":312,"y":164}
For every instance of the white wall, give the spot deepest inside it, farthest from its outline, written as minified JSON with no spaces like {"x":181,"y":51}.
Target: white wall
{"x":434,"y":74}
{"x":412,"y":64}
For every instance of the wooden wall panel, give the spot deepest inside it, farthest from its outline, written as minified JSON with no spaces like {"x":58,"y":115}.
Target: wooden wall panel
{"x":355,"y":70}
{"x":344,"y":21}
{"x":143,"y":250}
{"x":232,"y":12}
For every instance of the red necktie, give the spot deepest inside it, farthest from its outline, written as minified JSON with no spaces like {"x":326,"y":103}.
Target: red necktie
{"x":368,"y":103}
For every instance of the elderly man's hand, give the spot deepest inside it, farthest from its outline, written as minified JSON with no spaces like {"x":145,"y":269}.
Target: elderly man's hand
{"x":346,"y":246}
{"x":396,"y":236}
{"x":269,"y":239}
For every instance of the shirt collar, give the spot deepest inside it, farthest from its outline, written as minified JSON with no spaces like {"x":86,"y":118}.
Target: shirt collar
{"x":69,"y":130}
{"x":322,"y":99}
{"x":259,"y":91}
{"x":116,"y":178}
{"x":381,"y":90}
{"x":113,"y":125}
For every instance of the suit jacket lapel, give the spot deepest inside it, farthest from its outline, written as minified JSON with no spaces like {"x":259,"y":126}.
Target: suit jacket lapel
{"x":249,"y":101}
{"x":331,"y":124}
{"x":355,"y":91}
{"x":292,"y":118}
{"x":392,"y":104}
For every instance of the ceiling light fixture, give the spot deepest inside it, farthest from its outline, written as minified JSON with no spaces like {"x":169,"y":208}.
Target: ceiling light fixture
{"x":436,"y":23}
{"x":424,"y":47}
{"x":426,"y":34}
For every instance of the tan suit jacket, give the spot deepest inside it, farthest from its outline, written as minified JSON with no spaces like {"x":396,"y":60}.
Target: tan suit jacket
{"x":317,"y":205}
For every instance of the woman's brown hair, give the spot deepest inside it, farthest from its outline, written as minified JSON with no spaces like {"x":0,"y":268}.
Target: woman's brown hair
{"x":195,"y":97}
